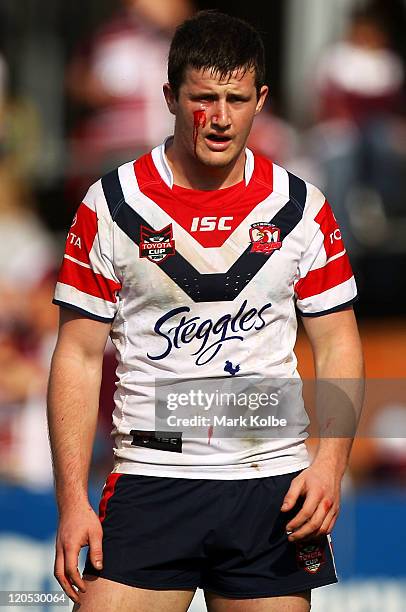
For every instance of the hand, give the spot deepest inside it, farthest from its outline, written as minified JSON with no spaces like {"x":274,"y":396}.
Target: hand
{"x":321,"y":488}
{"x":78,"y":526}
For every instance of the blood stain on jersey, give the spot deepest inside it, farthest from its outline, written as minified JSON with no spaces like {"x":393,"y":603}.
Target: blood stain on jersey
{"x":199,"y":120}
{"x":309,"y":556}
{"x":231,"y":369}
{"x":157,"y":245}
{"x":265,"y":237}
{"x":209,"y":434}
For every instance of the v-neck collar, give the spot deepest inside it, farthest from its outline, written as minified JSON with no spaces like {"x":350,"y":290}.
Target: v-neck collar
{"x":162,"y":166}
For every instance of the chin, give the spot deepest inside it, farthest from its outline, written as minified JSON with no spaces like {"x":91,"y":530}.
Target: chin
{"x":216,"y":160}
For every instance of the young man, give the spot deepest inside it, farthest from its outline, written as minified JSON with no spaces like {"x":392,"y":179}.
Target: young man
{"x":192,"y":259}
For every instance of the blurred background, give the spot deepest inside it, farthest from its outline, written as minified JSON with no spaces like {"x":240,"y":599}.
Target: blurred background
{"x":80,"y":92}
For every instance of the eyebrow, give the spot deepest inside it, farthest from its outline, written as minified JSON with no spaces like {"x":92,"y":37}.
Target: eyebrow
{"x":214,"y":96}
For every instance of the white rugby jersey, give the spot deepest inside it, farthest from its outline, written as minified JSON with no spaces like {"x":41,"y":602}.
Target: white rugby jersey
{"x":202,"y":285}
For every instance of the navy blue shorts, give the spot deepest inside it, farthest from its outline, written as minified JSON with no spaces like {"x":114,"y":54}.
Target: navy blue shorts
{"x":225,"y":536}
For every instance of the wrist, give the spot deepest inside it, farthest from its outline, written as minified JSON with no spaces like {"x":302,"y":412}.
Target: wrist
{"x":333,"y":462}
{"x":68,"y":499}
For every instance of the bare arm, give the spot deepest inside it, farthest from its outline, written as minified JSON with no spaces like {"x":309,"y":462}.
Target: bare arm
{"x":338,"y":358}
{"x":73,"y":402}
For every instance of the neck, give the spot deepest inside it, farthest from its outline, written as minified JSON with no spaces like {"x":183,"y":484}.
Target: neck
{"x":189,"y":172}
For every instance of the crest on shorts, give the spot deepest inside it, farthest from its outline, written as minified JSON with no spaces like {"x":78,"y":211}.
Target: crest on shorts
{"x":309,"y":556}
{"x":265,"y":237}
{"x":157,"y":245}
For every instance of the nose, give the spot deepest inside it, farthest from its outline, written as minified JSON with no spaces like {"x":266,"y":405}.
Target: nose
{"x":221,"y":116}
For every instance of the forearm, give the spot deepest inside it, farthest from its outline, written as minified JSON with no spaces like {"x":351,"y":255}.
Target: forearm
{"x":73,"y":400}
{"x":339,"y":377}
{"x":339,"y":397}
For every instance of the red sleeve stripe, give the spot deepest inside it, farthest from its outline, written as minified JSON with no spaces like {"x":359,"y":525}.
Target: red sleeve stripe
{"x":317,"y":281}
{"x":77,"y":261}
{"x":333,"y":242}
{"x":108,"y":492}
{"x":86,"y":280}
{"x":82,"y":233}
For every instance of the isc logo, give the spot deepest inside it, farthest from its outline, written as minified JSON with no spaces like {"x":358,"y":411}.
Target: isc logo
{"x":210,"y":224}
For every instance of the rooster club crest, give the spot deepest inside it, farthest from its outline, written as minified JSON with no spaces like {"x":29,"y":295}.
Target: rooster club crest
{"x":265,"y":237}
{"x":309,"y":556}
{"x":157,"y":245}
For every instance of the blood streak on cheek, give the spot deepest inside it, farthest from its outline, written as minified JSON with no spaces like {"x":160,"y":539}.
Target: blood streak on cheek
{"x":199,"y":120}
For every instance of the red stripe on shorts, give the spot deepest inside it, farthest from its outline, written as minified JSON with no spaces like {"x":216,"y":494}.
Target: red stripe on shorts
{"x":108,"y":492}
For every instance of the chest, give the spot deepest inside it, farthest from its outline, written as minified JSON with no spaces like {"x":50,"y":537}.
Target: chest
{"x":187,"y":255}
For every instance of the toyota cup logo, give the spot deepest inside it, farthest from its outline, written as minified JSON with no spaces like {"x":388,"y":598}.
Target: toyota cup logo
{"x":157,"y":245}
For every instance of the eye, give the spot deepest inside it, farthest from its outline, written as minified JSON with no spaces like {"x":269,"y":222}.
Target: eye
{"x":237,"y":99}
{"x":203,"y":98}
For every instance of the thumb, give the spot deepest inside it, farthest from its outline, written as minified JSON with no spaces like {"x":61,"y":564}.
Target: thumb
{"x":95,"y":549}
{"x":292,"y":495}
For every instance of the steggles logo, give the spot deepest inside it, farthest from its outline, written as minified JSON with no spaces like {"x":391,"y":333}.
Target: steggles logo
{"x":211,"y":334}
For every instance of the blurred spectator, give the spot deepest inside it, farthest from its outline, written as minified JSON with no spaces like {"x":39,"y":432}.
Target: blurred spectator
{"x":27,"y":338}
{"x":273,"y":137}
{"x":359,"y":86}
{"x":27,"y":332}
{"x":379,"y":453}
{"x":26,"y":248}
{"x":25,"y":360}
{"x":117,"y":78}
{"x":20,"y":131}
{"x":278,"y":140}
{"x":3,"y":86}
{"x":360,"y":77}
{"x":388,"y":465}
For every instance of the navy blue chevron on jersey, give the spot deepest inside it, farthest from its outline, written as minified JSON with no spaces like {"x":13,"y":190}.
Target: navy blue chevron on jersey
{"x":202,"y":285}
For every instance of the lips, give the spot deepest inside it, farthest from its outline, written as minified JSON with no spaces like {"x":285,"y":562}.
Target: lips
{"x":218,"y":138}
{"x":217,"y":142}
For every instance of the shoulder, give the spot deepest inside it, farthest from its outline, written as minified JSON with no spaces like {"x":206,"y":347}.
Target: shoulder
{"x":120,"y":185}
{"x":299,"y":191}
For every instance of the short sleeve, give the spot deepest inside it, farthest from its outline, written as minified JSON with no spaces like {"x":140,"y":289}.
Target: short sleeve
{"x":87,"y":281}
{"x":325,"y":281}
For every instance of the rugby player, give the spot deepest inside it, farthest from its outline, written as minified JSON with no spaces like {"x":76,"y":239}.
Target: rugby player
{"x":193,"y":259}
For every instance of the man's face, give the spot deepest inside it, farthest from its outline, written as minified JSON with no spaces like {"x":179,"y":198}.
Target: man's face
{"x":213,"y":116}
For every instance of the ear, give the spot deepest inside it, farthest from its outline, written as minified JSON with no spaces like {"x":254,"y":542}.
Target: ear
{"x":261,"y":100}
{"x":170,"y":98}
